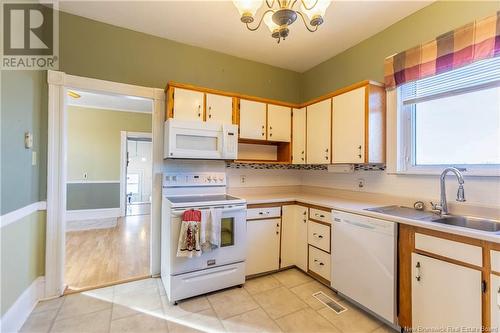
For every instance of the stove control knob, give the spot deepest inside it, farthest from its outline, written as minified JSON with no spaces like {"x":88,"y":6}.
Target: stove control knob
{"x":209,"y":179}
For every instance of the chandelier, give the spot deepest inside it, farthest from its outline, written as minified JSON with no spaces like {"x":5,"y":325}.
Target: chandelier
{"x":280,"y":14}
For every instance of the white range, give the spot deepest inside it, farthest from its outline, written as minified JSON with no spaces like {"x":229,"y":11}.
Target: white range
{"x":218,"y":269}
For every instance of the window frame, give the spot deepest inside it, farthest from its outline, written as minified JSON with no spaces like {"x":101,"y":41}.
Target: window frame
{"x":405,"y":162}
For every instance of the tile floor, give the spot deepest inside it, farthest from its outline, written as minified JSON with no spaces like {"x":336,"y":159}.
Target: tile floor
{"x":280,"y":302}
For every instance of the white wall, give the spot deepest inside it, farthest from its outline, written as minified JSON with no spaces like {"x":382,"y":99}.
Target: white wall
{"x":478,"y":190}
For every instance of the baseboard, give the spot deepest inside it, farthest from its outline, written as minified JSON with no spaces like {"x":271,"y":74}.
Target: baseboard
{"x":14,"y":318}
{"x":79,"y":225}
{"x":90,"y":214}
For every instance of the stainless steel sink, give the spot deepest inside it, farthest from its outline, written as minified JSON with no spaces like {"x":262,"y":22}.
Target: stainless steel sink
{"x":468,"y":222}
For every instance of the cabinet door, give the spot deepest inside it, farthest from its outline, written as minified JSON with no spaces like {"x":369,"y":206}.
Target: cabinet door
{"x":495,"y":302}
{"x":348,"y":132}
{"x":288,"y":235}
{"x":279,"y":119}
{"x":318,"y":132}
{"x":252,"y":120}
{"x":299,"y":136}
{"x":219,"y":109}
{"x":188,"y":104}
{"x":444,"y":294}
{"x":263,"y":246}
{"x":301,"y":240}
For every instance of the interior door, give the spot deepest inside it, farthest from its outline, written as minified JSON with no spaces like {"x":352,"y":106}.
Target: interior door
{"x":219,"y":109}
{"x":263,"y":239}
{"x":444,"y":294}
{"x":318,"y":132}
{"x":495,"y":302}
{"x":252,"y":120}
{"x":279,"y":119}
{"x":348,"y":132}
{"x":301,"y":251}
{"x":188,"y":104}
{"x":299,"y":136}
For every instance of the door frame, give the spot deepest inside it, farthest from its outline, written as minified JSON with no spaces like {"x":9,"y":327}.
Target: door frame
{"x":58,"y":84}
{"x":124,"y":135}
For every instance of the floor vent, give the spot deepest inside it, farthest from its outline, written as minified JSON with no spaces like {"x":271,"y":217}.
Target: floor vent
{"x":329,"y":302}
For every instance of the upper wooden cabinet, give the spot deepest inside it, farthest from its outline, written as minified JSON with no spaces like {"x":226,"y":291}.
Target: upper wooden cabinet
{"x":252,"y":120}
{"x":187,"y":104}
{"x":279,"y":123}
{"x":318,"y":132}
{"x":299,"y":136}
{"x":219,"y":109}
{"x":358,"y":125}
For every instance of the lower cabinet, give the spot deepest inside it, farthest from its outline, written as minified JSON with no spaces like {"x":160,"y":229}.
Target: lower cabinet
{"x":438,"y":285}
{"x":320,"y":262}
{"x":294,"y":237}
{"x":263,"y":245}
{"x":495,"y":302}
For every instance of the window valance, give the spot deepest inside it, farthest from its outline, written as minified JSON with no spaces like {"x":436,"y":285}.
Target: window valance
{"x":475,"y":41}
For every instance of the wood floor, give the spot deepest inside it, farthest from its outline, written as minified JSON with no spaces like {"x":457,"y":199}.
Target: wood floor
{"x":104,"y":256}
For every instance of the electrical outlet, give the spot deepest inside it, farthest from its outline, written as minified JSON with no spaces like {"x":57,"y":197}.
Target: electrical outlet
{"x":361,"y":183}
{"x":243,"y":179}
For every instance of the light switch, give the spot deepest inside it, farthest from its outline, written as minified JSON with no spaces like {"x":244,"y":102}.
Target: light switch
{"x":33,"y":158}
{"x":28,"y":140}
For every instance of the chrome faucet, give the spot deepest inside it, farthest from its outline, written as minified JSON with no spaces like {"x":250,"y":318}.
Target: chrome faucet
{"x":442,"y":208}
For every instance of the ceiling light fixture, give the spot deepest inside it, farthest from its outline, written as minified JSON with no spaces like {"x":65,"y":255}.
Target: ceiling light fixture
{"x":280,"y":14}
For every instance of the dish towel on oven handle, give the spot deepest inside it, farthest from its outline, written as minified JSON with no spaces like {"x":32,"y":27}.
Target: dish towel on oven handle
{"x":210,"y":229}
{"x":189,"y":235}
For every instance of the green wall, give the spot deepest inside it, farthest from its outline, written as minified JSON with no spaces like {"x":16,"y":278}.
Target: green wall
{"x":23,"y":108}
{"x":22,"y":255}
{"x":366,"y":59}
{"x":93,"y":49}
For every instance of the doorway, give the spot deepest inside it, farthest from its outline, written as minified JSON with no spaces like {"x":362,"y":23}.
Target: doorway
{"x":104,"y":244}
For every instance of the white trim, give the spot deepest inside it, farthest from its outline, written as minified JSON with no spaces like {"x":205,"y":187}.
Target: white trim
{"x":123,"y":171}
{"x":89,"y":214}
{"x":16,"y":316}
{"x":92,"y":181}
{"x":22,"y":212}
{"x":59,"y":83}
{"x":139,"y":135}
{"x":88,"y":106}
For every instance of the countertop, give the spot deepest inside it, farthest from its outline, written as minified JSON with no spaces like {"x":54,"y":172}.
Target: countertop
{"x":353,"y":203}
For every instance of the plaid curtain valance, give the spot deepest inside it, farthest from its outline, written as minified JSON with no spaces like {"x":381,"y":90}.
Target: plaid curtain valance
{"x":475,"y":41}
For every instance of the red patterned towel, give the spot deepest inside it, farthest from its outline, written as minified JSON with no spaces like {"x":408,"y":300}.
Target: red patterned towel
{"x":189,"y":235}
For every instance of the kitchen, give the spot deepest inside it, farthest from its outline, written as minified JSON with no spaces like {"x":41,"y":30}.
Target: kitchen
{"x":323,"y":199}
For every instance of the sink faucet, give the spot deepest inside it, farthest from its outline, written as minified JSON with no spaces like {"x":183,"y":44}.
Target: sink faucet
{"x":442,"y":208}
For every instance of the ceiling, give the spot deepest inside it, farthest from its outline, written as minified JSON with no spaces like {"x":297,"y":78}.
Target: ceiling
{"x":111,"y":102}
{"x":216,"y":25}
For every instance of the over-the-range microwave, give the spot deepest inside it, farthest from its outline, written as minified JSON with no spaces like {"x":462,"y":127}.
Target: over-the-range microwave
{"x":200,"y":140}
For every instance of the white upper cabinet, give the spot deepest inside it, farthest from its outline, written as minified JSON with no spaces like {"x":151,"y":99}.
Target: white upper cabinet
{"x":299,"y":136}
{"x":279,"y":123}
{"x":348,"y":132}
{"x":252,"y":120}
{"x":219,"y":109}
{"x":438,"y":285}
{"x":318,"y":132}
{"x":188,"y":104}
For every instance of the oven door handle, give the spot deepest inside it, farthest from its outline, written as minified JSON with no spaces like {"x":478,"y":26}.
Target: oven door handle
{"x":179,"y":212}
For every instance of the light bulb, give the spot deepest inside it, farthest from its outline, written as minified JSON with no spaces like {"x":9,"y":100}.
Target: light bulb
{"x":268,"y":20}
{"x":317,"y":11}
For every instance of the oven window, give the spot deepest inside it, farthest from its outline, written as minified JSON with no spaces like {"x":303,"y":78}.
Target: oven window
{"x":227,"y":232}
{"x":194,"y":142}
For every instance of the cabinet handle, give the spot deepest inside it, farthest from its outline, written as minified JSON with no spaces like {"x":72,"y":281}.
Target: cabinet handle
{"x":303,"y":152}
{"x":199,"y":113}
{"x":498,"y":297}
{"x":263,"y":126}
{"x":278,"y":225}
{"x":270,"y":134}
{"x":319,"y":236}
{"x":360,"y":151}
{"x":326,"y":150}
{"x":418,"y":277}
{"x":270,"y":127}
{"x":209,"y":112}
{"x":303,"y":159}
{"x":262,"y":133}
{"x":305,"y":220}
{"x":320,"y":263}
{"x":319,"y":215}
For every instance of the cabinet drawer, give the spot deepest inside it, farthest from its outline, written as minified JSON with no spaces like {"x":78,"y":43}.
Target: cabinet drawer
{"x":263,"y":213}
{"x":318,"y":235}
{"x":455,"y":250}
{"x":320,"y":215}
{"x":495,"y":261}
{"x":319,"y":262}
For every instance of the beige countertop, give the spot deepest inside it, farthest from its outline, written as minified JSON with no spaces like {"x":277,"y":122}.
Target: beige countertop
{"x":356,"y":202}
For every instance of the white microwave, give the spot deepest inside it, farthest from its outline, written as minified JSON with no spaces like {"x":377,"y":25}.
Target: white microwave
{"x":200,"y":140}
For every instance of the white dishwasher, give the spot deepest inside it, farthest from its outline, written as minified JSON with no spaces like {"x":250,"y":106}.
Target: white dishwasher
{"x":364,"y":262}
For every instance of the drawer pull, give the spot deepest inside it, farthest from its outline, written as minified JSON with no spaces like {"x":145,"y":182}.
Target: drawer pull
{"x":320,"y":263}
{"x":319,"y":236}
{"x":320,"y":215}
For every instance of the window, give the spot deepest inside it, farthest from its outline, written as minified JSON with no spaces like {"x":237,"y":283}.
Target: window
{"x":452,"y":119}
